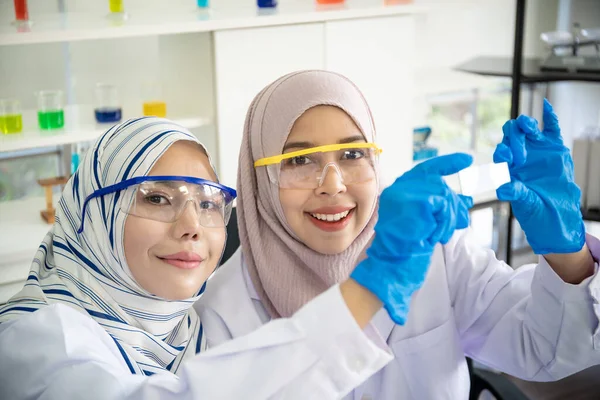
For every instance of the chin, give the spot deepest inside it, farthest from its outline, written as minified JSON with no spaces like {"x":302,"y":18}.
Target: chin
{"x":330,"y":245}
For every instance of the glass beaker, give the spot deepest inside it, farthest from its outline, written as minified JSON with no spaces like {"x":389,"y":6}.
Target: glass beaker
{"x":116,"y":6}
{"x":108,"y":107}
{"x":50,"y":109}
{"x":154,"y":105}
{"x":266,"y":3}
{"x":11,"y":119}
{"x":21,"y":10}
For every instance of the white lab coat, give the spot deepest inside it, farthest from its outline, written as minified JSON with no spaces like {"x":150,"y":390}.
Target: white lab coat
{"x":528,"y":322}
{"x":59,"y":353}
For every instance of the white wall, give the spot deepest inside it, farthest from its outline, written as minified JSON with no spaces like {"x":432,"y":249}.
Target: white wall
{"x":454,"y":32}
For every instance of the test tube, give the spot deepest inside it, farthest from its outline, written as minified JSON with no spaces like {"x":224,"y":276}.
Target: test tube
{"x":11,"y":120}
{"x":154,"y":105}
{"x":108,"y":107}
{"x":50,"y":109}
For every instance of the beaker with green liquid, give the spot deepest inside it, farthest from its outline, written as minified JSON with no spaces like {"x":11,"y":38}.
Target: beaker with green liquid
{"x":11,"y":119}
{"x":50,"y":109}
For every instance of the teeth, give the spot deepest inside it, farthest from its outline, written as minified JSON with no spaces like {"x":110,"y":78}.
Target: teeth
{"x":331,"y":217}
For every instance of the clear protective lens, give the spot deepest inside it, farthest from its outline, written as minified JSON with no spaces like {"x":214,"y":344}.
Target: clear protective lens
{"x":165,"y":201}
{"x":306,"y":171}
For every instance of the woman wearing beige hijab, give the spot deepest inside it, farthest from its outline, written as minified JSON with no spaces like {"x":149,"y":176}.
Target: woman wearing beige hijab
{"x":301,"y":236}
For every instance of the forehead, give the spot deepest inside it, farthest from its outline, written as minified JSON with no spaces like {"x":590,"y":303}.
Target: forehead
{"x":184,"y":158}
{"x":323,"y":125}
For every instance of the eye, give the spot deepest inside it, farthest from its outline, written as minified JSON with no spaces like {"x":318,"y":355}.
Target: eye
{"x":300,"y":160}
{"x":209,"y":205}
{"x":157,"y":200}
{"x":353,"y":154}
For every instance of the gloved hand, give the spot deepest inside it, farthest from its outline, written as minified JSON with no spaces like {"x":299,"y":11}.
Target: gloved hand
{"x":542,"y":192}
{"x":415,"y":213}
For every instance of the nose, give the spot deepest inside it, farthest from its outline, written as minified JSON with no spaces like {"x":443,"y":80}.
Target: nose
{"x":331,"y":181}
{"x":187,"y":226}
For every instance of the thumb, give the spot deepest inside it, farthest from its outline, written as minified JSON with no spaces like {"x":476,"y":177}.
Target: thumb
{"x":515,"y":191}
{"x":462,"y":212}
{"x":503,"y":154}
{"x":551,"y":127}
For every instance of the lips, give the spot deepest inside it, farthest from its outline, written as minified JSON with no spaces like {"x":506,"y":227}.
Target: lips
{"x":183,"y":260}
{"x":331,"y":219}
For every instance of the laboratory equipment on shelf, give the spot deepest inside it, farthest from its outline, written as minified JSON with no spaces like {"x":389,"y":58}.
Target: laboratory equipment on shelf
{"x":50,"y":109}
{"x":11,"y":119}
{"x":108,"y":107}
{"x":154,"y":105}
{"x":421,"y":150}
{"x":564,"y":50}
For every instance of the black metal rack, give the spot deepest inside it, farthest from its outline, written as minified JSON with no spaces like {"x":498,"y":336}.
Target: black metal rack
{"x":523,"y":71}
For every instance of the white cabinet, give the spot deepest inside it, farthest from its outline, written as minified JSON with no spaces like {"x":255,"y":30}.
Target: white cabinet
{"x":378,"y":55}
{"x":246,"y":60}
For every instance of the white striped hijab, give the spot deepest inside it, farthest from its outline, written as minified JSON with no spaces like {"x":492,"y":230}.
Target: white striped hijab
{"x":88,"y":271}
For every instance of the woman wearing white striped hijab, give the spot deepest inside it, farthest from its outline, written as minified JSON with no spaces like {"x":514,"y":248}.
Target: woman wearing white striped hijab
{"x":106,"y":311}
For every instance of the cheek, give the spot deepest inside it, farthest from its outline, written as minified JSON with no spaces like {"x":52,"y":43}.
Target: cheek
{"x":140,"y":236}
{"x":365,"y":196}
{"x":292,"y":203}
{"x":216,"y":242}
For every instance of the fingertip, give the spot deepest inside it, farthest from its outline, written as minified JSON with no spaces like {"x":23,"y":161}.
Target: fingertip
{"x":505,"y":192}
{"x":527,"y":124}
{"x":508,"y":127}
{"x":502,"y":154}
{"x":467,"y":200}
{"x":549,"y":116}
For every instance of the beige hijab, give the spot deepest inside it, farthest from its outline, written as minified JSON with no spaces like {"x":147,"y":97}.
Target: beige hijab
{"x":285,"y":272}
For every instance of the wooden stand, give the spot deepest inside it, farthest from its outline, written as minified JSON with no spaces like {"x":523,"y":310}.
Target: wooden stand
{"x":48,"y":185}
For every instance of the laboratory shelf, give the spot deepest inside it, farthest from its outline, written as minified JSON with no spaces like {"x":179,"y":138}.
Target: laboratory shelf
{"x":72,"y":26}
{"x":530,"y":73}
{"x":73,"y":133}
{"x":591,"y":215}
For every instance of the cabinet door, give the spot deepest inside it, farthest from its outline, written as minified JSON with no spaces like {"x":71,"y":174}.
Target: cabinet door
{"x":378,"y":55}
{"x":246,"y":60}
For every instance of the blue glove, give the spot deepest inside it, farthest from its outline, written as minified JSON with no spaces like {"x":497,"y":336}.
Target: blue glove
{"x":542,"y":191}
{"x":415,"y":213}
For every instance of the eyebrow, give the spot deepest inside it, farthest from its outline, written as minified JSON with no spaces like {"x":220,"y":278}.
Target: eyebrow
{"x":166,"y":184}
{"x":306,"y":145}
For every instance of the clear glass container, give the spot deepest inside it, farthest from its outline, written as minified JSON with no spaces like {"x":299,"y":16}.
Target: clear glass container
{"x":11,"y":118}
{"x":108,"y":106}
{"x":154,"y":104}
{"x":50,"y":109}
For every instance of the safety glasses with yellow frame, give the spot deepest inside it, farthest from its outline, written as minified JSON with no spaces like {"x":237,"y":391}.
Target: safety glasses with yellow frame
{"x":307,"y":168}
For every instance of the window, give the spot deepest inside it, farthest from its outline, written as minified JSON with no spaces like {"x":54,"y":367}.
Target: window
{"x":19,"y":173}
{"x":469,"y":120}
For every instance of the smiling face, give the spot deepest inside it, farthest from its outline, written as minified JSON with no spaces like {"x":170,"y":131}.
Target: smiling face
{"x":329,"y":218}
{"x":172,"y":260}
